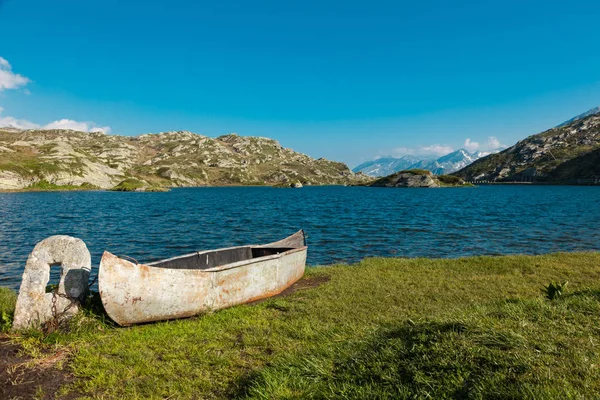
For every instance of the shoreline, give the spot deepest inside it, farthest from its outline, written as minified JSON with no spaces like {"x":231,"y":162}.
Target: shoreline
{"x":25,"y":190}
{"x":534,"y":183}
{"x":39,"y":190}
{"x":415,"y":258}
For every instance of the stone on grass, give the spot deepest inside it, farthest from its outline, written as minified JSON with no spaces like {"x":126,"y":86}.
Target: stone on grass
{"x":34,"y":305}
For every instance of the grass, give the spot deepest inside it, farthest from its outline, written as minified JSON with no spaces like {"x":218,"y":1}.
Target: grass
{"x":384,"y":328}
{"x":132,"y":185}
{"x":129,"y":185}
{"x":415,"y":171}
{"x":450,"y":180}
{"x":47,"y":186}
{"x":8,"y":299}
{"x":582,"y":167}
{"x":28,"y":167}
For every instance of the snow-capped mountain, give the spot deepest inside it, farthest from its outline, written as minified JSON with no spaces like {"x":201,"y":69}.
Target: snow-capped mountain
{"x":451,"y":162}
{"x":446,"y":164}
{"x":456,"y":160}
{"x":386,"y":166}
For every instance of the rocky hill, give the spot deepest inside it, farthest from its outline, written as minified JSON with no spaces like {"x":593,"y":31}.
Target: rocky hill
{"x":417,"y":178}
{"x":71,"y":158}
{"x":568,"y":153}
{"x":593,"y":111}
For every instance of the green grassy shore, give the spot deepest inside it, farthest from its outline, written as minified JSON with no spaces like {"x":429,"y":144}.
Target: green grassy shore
{"x":476,"y":328}
{"x":45,"y":186}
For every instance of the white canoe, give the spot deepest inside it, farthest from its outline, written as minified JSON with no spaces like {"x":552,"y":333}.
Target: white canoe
{"x":199,"y":282}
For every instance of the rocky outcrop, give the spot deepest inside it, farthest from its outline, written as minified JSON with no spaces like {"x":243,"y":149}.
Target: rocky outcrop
{"x":135,"y":185}
{"x":169,"y":159}
{"x":408,"y":179}
{"x":13,"y":180}
{"x":550,"y":156}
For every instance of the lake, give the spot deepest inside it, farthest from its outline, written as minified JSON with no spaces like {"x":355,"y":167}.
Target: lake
{"x":344,"y":224}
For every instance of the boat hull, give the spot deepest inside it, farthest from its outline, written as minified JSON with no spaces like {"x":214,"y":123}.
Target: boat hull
{"x":136,"y":293}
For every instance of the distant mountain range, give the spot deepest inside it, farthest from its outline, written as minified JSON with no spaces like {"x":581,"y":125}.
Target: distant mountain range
{"x":446,"y":164}
{"x":568,"y":153}
{"x":386,"y":165}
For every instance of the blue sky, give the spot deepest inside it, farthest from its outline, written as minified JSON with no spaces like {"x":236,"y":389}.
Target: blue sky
{"x":345,"y":80}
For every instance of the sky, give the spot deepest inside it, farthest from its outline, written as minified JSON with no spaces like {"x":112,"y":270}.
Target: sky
{"x":345,"y":80}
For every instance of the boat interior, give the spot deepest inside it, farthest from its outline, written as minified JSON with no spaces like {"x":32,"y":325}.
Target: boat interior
{"x":211,"y":259}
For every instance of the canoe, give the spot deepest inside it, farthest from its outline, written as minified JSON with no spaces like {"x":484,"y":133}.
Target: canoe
{"x":195,"y":283}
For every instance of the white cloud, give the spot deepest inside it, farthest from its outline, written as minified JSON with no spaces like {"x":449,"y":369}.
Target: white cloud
{"x":8,"y":79}
{"x":437,"y":150}
{"x":494,"y":143}
{"x":423,"y":151}
{"x":404,"y":151}
{"x":102,"y":129}
{"x":59,"y":124}
{"x":67,"y":124}
{"x":15,"y":123}
{"x":76,"y":126}
{"x":470,"y":145}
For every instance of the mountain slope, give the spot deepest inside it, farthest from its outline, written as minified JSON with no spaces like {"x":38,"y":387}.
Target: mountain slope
{"x":586,"y":166}
{"x":593,"y":111}
{"x":562,"y":154}
{"x":386,"y":166}
{"x":451,"y":162}
{"x":446,"y":164}
{"x":65,"y":157}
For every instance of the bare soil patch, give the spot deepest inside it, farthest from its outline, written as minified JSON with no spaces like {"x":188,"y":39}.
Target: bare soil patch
{"x":24,"y":377}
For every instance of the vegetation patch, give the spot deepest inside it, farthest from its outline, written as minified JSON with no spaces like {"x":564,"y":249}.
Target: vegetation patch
{"x":30,"y":168}
{"x":135,"y":185}
{"x":451,"y":180}
{"x":43,"y":186}
{"x":8,"y":299}
{"x":284,"y":185}
{"x":586,"y":166}
{"x":415,"y":171}
{"x":129,"y":185}
{"x":476,"y":327}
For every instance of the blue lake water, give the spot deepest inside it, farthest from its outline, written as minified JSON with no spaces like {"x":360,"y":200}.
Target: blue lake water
{"x":344,"y":224}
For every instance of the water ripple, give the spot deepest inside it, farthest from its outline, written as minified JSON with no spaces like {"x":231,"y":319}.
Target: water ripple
{"x":344,"y":224}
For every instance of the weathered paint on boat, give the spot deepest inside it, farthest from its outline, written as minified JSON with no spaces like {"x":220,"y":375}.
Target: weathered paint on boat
{"x":195,"y":283}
